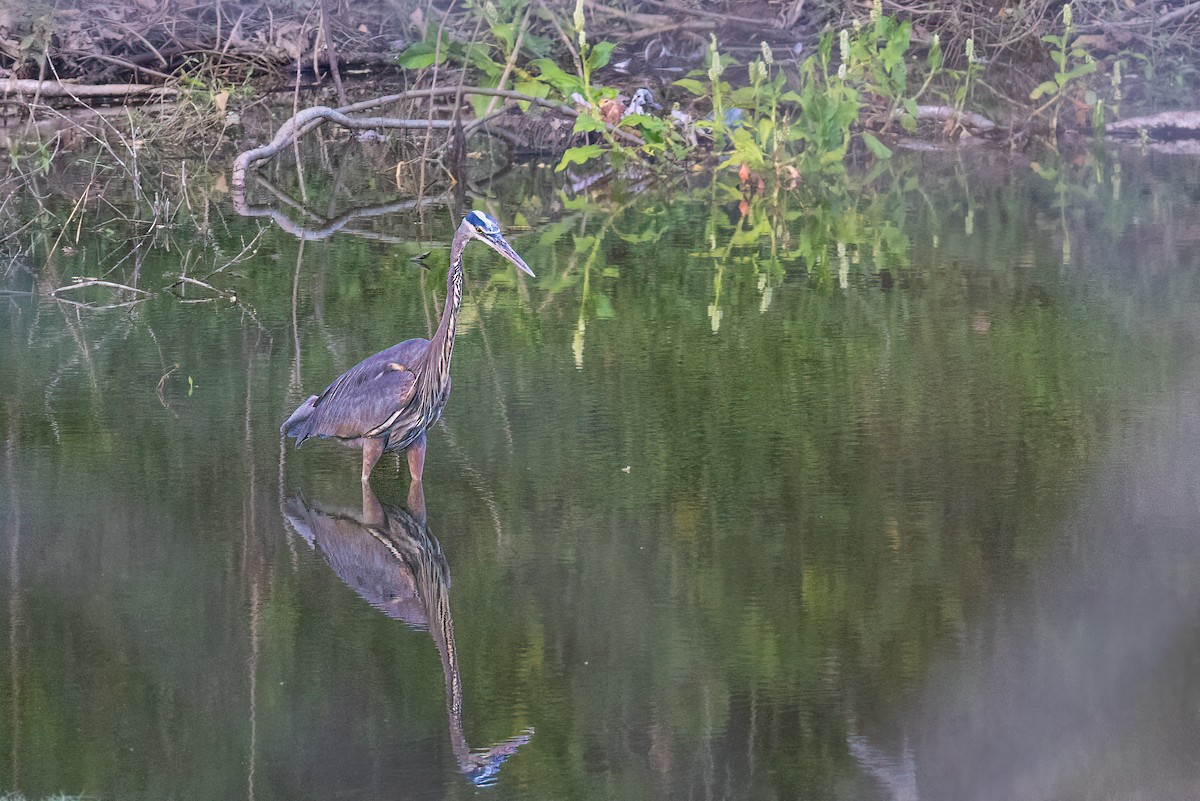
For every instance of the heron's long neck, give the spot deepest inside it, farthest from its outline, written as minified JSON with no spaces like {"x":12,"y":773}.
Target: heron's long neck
{"x":441,"y":347}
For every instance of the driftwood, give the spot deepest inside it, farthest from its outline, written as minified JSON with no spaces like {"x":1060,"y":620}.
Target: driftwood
{"x":306,"y":120}
{"x":1166,"y":125}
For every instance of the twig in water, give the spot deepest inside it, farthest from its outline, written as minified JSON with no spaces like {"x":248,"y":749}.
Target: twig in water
{"x":183,"y":279}
{"x":80,"y":283}
{"x":162,"y":383}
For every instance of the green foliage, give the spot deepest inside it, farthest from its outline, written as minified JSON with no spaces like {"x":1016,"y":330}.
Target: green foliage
{"x":778,"y":126}
{"x":37,"y":155}
{"x":488,"y":57}
{"x":812,"y":125}
{"x":1072,"y":64}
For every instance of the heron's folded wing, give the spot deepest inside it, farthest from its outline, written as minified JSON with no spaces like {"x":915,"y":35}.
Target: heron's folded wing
{"x":363,"y":399}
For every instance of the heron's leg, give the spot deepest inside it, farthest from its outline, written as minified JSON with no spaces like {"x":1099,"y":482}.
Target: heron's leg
{"x":372,"y":450}
{"x":372,"y":511}
{"x":416,"y":458}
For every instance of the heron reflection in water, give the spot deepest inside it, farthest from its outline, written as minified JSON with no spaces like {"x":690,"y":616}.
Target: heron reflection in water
{"x":390,"y":558}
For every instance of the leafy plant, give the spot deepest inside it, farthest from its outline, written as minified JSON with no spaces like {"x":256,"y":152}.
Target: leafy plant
{"x":507,"y":31}
{"x":1072,"y":62}
{"x":813,"y":125}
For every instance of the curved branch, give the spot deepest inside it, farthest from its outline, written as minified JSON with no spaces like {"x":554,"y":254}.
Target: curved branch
{"x":308,"y":119}
{"x":55,"y":88}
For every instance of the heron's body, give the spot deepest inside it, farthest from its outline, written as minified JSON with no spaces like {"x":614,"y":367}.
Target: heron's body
{"x":386,"y":402}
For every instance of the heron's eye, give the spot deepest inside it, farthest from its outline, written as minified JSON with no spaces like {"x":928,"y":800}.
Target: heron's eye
{"x":479,"y":230}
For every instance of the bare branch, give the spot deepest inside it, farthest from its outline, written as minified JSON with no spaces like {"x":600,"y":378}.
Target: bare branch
{"x":21,"y":87}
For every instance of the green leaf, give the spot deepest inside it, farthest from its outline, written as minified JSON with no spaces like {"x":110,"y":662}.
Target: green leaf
{"x":538,"y":45}
{"x":1087,"y":68}
{"x":506,"y":33}
{"x":553,"y":74}
{"x":745,"y":150}
{"x":531,"y":88}
{"x":586,"y":123}
{"x":421,"y":55}
{"x":600,"y":55}
{"x":765,"y":131}
{"x":877,"y":148}
{"x":691,"y":85}
{"x":934,"y":59}
{"x":1045,"y":87}
{"x":479,"y":103}
{"x":481,"y":57}
{"x":579,"y":155}
{"x":742,"y":96}
{"x":835,"y":155}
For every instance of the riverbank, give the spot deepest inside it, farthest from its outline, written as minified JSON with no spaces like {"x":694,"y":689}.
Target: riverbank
{"x":774,"y":90}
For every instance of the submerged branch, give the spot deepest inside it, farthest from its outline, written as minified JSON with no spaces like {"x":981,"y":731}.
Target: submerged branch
{"x":86,"y":282}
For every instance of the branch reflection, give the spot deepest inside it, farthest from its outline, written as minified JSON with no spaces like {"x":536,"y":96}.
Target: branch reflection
{"x":388,"y":555}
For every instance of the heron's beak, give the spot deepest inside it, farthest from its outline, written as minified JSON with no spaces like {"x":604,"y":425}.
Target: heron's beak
{"x":499,"y":244}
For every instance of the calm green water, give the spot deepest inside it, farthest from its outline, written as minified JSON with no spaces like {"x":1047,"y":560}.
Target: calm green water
{"x":887,"y":491}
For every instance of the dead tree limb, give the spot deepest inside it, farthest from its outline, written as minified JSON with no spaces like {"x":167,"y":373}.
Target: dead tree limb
{"x":20,"y":86}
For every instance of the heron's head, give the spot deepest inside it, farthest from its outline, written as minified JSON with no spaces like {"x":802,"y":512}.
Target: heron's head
{"x":482,"y":227}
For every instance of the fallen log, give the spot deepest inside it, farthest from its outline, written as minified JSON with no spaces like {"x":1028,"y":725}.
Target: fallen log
{"x":1165,"y":125}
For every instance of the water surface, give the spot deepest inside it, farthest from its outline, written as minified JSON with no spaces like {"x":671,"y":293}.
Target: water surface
{"x":884,"y":490}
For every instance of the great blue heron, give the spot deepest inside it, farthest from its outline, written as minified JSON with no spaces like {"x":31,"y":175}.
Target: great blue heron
{"x":387,"y":401}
